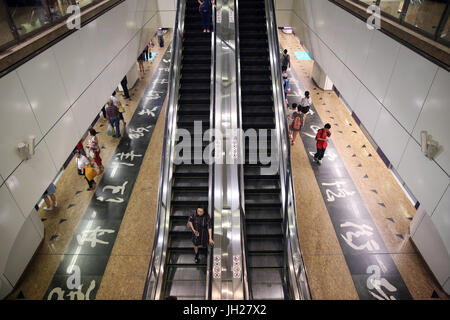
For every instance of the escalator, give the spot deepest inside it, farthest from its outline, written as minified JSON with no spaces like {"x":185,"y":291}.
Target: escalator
{"x":265,"y":241}
{"x":183,"y":278}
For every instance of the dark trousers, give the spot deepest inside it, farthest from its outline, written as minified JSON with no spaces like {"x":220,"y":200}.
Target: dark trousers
{"x":206,"y":19}
{"x":125,"y":91}
{"x":104,"y":112}
{"x":161,"y":41}
{"x":320,"y":153}
{"x":90,"y":183}
{"x":115,"y":122}
{"x":146,"y":55}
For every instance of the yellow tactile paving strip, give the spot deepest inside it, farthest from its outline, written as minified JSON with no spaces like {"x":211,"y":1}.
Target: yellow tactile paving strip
{"x":71,"y":206}
{"x":411,"y":266}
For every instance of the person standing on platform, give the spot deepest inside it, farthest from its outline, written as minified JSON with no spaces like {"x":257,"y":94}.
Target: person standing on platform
{"x":119,"y":106}
{"x":305,"y":106}
{"x":206,"y":11}
{"x":89,"y":174}
{"x":290,"y":117}
{"x":295,"y":126}
{"x":94,"y":149}
{"x":200,"y":224}
{"x":112,"y":113}
{"x":124,"y":84}
{"x":147,"y":53}
{"x":322,"y":143}
{"x":285,"y":60}
{"x":160,"y":34}
{"x":50,"y":194}
{"x":80,"y":147}
{"x":81,"y":162}
{"x":141,"y":60}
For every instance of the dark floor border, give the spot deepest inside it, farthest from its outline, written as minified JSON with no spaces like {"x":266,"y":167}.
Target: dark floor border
{"x":80,"y":272}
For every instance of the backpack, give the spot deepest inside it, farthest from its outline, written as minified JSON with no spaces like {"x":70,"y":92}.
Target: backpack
{"x":297,"y":122}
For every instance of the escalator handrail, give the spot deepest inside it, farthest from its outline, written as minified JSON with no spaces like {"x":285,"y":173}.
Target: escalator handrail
{"x":155,"y":273}
{"x":244,"y":255}
{"x":298,"y":277}
{"x":210,"y":262}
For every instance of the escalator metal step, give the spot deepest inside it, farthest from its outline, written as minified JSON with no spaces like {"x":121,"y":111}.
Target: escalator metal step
{"x":265,"y":245}
{"x":265,"y":260}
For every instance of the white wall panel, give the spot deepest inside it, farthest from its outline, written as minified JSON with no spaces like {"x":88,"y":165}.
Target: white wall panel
{"x":388,"y":131}
{"x":359,"y":38}
{"x":284,"y":18}
{"x":425,"y":179}
{"x":5,"y":287}
{"x":22,"y":251}
{"x":435,"y":116}
{"x":88,"y":106}
{"x":63,"y":138}
{"x":11,"y":221}
{"x":44,"y":88}
{"x":409,"y":87}
{"x":441,"y":219}
{"x":167,"y":19}
{"x":91,"y":43}
{"x":72,"y":63}
{"x":432,"y":248}
{"x":31,"y":178}
{"x":17,"y":122}
{"x":380,"y":62}
{"x":284,"y":4}
{"x":367,"y":108}
{"x":349,"y":85}
{"x":167,"y":4}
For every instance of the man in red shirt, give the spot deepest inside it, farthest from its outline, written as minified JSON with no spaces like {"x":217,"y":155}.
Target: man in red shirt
{"x":322,"y":143}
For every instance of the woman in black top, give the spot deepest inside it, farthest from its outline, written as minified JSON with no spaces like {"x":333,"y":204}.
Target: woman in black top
{"x":141,"y":60}
{"x":200,"y":224}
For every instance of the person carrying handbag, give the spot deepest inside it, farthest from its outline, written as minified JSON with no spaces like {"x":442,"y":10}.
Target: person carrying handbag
{"x":94,"y":149}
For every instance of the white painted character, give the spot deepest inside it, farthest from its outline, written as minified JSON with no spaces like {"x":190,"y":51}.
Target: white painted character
{"x":137,"y":133}
{"x":148,"y":112}
{"x":79,"y":295}
{"x":374,"y":281}
{"x":361,"y":230}
{"x":91,"y":236}
{"x":342,"y":193}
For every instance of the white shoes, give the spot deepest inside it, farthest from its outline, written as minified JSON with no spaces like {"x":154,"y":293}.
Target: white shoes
{"x":48,"y":209}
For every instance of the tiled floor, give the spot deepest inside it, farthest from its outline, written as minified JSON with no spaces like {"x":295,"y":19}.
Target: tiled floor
{"x":383,"y":197}
{"x":132,"y":250}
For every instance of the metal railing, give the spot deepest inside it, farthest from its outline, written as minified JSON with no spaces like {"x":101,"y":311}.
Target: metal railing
{"x":155,"y":276}
{"x":295,"y":271}
{"x":247,"y":285}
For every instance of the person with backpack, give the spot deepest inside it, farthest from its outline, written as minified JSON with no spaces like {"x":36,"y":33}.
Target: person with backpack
{"x":296,"y":126}
{"x":305,"y":106}
{"x":200,"y":224}
{"x":322,"y":143}
{"x":285,"y":60}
